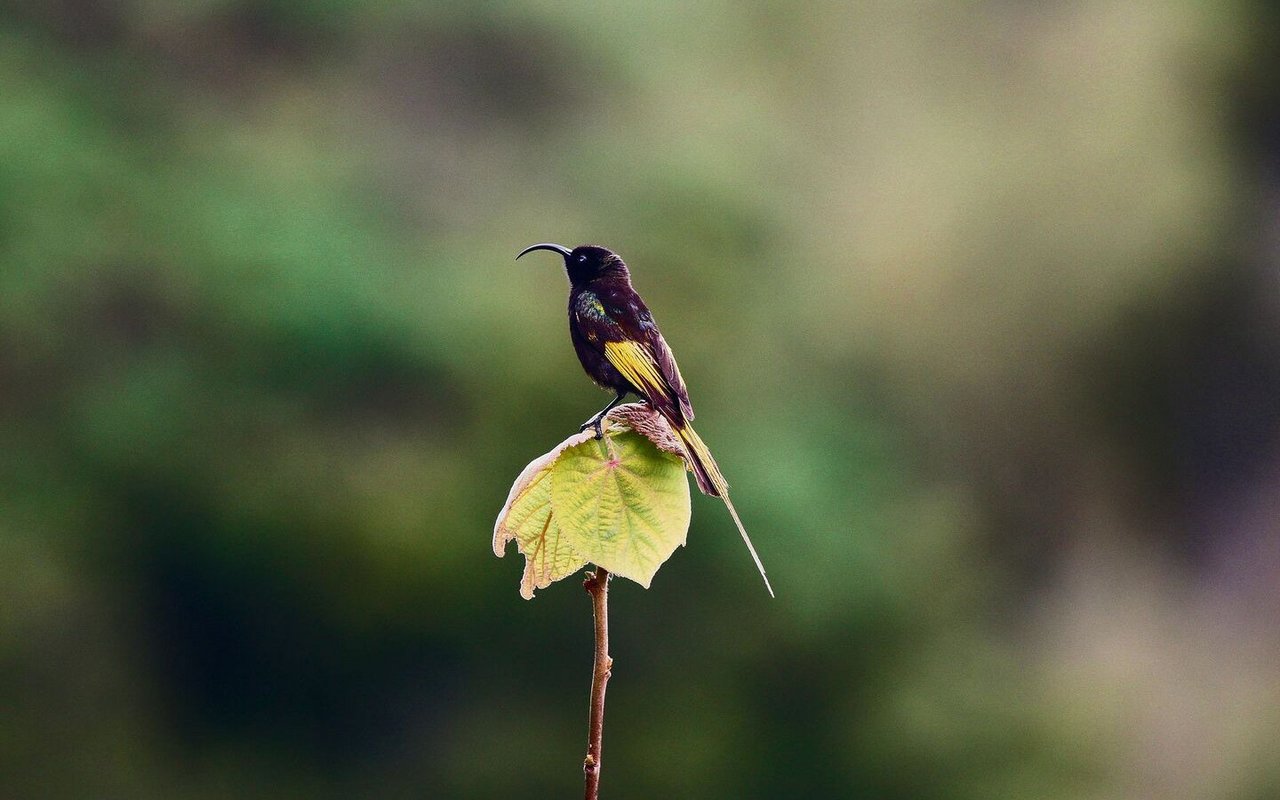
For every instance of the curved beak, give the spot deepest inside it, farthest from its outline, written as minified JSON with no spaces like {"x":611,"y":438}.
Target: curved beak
{"x":559,"y":248}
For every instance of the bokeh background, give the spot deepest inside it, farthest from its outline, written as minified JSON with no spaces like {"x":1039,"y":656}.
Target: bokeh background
{"x":979,"y":304}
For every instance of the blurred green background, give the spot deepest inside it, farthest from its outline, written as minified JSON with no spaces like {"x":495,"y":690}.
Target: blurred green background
{"x":979,"y":307}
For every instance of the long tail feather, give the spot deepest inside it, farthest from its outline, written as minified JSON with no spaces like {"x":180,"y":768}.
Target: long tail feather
{"x":711,"y":481}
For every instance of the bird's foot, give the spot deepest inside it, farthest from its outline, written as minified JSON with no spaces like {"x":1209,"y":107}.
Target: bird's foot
{"x":596,"y":422}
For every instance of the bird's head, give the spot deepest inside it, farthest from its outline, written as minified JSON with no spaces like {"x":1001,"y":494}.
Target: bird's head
{"x":585,"y":262}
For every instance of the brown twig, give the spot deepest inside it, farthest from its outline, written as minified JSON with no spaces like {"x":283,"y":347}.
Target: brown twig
{"x":597,"y":586}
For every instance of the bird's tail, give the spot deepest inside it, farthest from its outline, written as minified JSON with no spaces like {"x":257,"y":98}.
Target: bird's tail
{"x":711,"y":481}
{"x":705,"y":469}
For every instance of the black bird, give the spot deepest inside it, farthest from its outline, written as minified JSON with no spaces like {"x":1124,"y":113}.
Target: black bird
{"x":621,"y":349}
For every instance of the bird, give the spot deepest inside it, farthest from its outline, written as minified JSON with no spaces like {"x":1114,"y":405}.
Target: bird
{"x":621,"y":349}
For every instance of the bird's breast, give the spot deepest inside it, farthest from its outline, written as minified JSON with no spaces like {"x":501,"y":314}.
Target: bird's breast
{"x":587,"y":305}
{"x":590,"y":318}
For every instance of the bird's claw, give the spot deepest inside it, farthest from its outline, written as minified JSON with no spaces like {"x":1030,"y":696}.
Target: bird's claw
{"x":597,"y":423}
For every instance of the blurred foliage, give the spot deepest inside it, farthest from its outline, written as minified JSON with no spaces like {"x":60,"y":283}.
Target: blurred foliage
{"x":976,"y":303}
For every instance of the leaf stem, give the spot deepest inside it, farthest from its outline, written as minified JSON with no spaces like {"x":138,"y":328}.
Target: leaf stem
{"x":597,"y":585}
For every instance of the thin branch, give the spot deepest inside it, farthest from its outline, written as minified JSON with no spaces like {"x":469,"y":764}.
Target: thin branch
{"x":597,"y":586}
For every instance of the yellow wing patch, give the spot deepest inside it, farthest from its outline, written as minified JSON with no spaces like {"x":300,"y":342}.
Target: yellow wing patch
{"x":636,"y":365}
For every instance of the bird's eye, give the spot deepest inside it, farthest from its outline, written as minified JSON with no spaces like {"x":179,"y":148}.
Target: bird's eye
{"x":582,"y":259}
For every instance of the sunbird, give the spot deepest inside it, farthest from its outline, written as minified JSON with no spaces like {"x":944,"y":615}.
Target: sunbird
{"x":621,"y":349}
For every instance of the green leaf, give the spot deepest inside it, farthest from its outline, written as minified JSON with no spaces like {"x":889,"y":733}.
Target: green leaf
{"x":621,"y":503}
{"x":528,"y":519}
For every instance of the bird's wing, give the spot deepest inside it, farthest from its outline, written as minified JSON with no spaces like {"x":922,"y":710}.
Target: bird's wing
{"x":644,"y":352}
{"x":636,"y":364}
{"x":671,"y":371}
